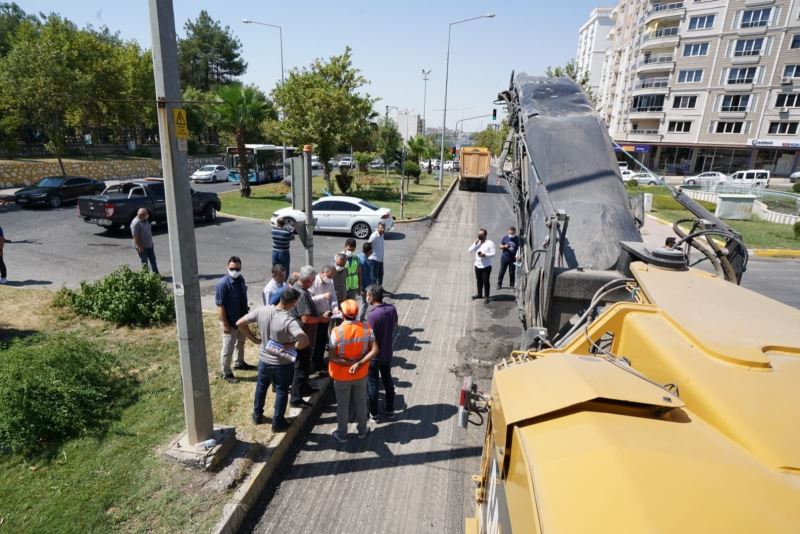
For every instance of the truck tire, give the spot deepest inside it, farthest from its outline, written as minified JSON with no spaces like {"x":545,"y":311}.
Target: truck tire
{"x":461,"y":186}
{"x":484,"y":186}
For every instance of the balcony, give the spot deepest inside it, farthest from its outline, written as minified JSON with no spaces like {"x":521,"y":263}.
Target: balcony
{"x":661,"y":37}
{"x":754,"y":3}
{"x":644,"y":86}
{"x":656,"y":63}
{"x":643,"y":134}
{"x":746,"y":57}
{"x":646,"y":112}
{"x":673,"y":10}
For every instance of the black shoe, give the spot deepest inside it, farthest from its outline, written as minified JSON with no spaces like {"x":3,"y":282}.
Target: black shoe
{"x":244,"y":366}
{"x":301,"y":404}
{"x":230,"y":379}
{"x":476,"y":297}
{"x":259,"y":420}
{"x":487,"y":300}
{"x":499,"y":287}
{"x":283,"y":426}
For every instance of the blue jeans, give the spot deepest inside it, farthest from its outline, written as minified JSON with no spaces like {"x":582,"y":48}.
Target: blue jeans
{"x":384,"y":370}
{"x":281,"y":257}
{"x":377,"y":271}
{"x":148,"y":254}
{"x":281,"y":376}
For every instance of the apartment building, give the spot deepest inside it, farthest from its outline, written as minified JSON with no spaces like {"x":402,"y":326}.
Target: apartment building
{"x":705,"y":85}
{"x":593,"y":42}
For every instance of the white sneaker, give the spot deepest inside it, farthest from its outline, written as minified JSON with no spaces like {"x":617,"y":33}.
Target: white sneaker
{"x":3,"y":281}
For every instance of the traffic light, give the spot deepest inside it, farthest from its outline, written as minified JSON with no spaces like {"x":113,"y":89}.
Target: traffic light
{"x":294,"y":179}
{"x":494,"y":114}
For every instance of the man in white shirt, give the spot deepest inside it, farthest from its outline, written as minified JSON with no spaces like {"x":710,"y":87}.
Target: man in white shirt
{"x":272,"y":291}
{"x":484,"y":251}
{"x":323,"y":293}
{"x":376,"y":258}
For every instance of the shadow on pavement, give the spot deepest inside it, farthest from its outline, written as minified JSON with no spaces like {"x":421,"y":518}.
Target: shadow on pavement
{"x":394,"y":236}
{"x":21,"y":283}
{"x":406,"y":340}
{"x":408,"y":296}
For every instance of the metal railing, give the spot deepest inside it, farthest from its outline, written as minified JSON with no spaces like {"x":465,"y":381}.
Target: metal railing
{"x":644,"y":131}
{"x":737,"y":80}
{"x":666,"y":7}
{"x":645,"y":83}
{"x":646,"y":109}
{"x":663,"y":32}
{"x":754,"y":23}
{"x":653,"y":60}
{"x":745,"y":52}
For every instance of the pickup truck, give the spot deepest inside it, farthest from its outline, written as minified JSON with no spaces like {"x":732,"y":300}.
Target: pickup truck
{"x":117,"y":205}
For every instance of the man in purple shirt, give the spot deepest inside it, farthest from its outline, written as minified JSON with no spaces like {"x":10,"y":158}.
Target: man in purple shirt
{"x":382,"y":318}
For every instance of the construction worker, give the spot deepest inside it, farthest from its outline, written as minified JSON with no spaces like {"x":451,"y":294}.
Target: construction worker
{"x":353,"y":268}
{"x":352,"y":346}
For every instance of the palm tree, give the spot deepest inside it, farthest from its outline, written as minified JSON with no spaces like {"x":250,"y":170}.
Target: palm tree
{"x":416,"y":147}
{"x":240,"y":110}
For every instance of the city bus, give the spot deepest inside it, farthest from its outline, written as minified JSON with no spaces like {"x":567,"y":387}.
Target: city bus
{"x":263,"y":162}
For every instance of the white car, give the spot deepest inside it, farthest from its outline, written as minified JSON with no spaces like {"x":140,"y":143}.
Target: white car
{"x":211,"y":173}
{"x":644,"y":178}
{"x":450,"y":165}
{"x":794,"y":177}
{"x":705,"y":178}
{"x":749,"y":178}
{"x":346,"y":161}
{"x":349,"y":215}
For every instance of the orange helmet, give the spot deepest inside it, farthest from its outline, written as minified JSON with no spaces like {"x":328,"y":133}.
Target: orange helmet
{"x":349,"y":308}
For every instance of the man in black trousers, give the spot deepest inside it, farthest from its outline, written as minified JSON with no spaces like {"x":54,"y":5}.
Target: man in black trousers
{"x":484,"y":251}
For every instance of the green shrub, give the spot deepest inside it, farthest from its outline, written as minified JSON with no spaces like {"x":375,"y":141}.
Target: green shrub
{"x":633,"y":183}
{"x":412,"y":169}
{"x":56,"y":387}
{"x":142,"y":152}
{"x":124,"y":297}
{"x":796,"y":229}
{"x":666,"y":202}
{"x":796,"y":187}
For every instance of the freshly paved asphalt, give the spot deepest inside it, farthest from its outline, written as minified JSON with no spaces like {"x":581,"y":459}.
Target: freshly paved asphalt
{"x":55,"y":248}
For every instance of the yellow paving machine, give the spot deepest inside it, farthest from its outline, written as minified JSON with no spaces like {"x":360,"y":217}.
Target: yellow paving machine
{"x":647,"y":396}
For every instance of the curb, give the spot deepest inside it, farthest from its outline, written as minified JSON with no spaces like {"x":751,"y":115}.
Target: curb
{"x":247,"y":494}
{"x":776,"y":253}
{"x":232,"y":216}
{"x":440,"y":205}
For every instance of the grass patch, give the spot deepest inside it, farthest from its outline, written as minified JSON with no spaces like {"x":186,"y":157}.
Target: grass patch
{"x":378,"y":188}
{"x":116,"y":480}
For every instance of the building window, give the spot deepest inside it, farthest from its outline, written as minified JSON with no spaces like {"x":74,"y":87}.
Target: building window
{"x":741,"y":75}
{"x":755,"y":17}
{"x":679,"y":126}
{"x":735,"y":103}
{"x":684,"y":102}
{"x":695,"y":49}
{"x":795,"y":41}
{"x":702,"y":22}
{"x":783,"y":128}
{"x":726,"y":127}
{"x":648,"y":103}
{"x":791,"y":71}
{"x":748,"y":47}
{"x":791,"y":100}
{"x":690,"y":76}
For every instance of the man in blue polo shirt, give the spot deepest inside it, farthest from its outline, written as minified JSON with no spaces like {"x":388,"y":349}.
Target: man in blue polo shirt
{"x":281,"y":237}
{"x":231,"y":300}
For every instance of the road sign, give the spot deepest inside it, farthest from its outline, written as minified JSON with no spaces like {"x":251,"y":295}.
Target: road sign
{"x":181,"y":127}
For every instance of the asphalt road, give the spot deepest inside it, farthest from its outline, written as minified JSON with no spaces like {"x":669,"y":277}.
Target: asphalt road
{"x":55,"y":248}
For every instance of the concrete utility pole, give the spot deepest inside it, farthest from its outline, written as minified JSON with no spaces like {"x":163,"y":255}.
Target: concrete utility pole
{"x":425,"y":75}
{"x":183,"y":253}
{"x":309,"y":209}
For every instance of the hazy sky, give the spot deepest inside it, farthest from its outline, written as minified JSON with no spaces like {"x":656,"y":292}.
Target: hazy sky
{"x":391,"y":41}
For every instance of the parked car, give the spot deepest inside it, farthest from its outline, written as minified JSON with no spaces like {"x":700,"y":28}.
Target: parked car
{"x":349,"y":215}
{"x":794,"y":177}
{"x":211,"y":173}
{"x":252,"y":177}
{"x":749,"y":178}
{"x":376,"y":164}
{"x":450,"y":165}
{"x":705,"y":178}
{"x":645,"y":178}
{"x":316,"y":164}
{"x":118,"y":204}
{"x":55,"y":190}
{"x":346,"y":161}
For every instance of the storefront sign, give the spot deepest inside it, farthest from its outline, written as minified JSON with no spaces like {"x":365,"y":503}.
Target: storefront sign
{"x":771,"y":143}
{"x":634,"y":148}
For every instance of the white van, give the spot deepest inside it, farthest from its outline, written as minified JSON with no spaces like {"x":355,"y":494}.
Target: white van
{"x":750,"y":178}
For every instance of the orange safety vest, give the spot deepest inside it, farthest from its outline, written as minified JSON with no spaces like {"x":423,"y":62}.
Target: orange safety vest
{"x":350,"y":340}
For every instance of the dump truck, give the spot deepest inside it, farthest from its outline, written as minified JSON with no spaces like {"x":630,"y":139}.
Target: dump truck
{"x":474,"y":173}
{"x":645,"y":395}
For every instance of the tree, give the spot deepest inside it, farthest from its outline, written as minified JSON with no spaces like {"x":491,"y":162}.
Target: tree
{"x":209,"y":55}
{"x":493,"y":138}
{"x":323,"y":105}
{"x":431,"y":153}
{"x":240,"y":110}
{"x":389,"y":141}
{"x":570,"y":70}
{"x":416,"y":147}
{"x":11,"y":16}
{"x":363,"y":159}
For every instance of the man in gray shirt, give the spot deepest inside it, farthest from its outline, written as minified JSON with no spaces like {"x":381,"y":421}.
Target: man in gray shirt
{"x":281,"y":338}
{"x":142,"y":234}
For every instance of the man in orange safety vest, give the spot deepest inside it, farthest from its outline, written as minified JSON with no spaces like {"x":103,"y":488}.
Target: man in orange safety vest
{"x":352,"y":346}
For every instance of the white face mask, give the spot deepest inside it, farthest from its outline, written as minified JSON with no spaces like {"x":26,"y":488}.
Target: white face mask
{"x":234,"y":274}
{"x":348,"y":253}
{"x":340,"y":267}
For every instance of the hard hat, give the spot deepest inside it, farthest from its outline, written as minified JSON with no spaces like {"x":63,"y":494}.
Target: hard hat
{"x":349,"y":308}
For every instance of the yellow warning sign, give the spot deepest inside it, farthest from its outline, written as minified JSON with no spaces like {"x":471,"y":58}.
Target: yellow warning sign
{"x":181,"y":128}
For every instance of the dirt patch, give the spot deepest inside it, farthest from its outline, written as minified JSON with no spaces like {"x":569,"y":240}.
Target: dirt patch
{"x":480,"y":352}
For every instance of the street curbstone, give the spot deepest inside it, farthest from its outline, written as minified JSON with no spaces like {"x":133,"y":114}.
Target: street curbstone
{"x":776,"y":253}
{"x":440,"y":205}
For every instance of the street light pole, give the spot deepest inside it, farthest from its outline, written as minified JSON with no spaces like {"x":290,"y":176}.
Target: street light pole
{"x":425,"y":75}
{"x":283,"y":80}
{"x":446,"y":79}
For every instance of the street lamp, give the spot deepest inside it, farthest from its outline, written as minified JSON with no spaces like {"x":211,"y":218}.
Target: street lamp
{"x":425,"y":74}
{"x":283,"y":81}
{"x":446,"y":78}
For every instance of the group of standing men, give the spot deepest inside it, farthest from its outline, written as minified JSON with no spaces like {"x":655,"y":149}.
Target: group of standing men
{"x":339,"y":310}
{"x":483,"y":250}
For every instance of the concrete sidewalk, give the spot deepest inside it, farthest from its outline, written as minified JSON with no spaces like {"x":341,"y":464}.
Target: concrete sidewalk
{"x":655,"y":232}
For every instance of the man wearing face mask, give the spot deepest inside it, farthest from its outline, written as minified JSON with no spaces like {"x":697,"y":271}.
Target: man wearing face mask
{"x":340,"y":277}
{"x":323,"y":293}
{"x":231,"y":300}
{"x":353,"y":269}
{"x":484,"y":251}
{"x":142,"y":234}
{"x":509,"y":245}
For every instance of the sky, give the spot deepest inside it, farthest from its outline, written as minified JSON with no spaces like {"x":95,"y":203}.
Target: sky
{"x":392,"y":42}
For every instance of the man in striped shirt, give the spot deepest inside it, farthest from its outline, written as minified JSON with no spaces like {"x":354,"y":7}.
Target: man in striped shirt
{"x":280,"y":244}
